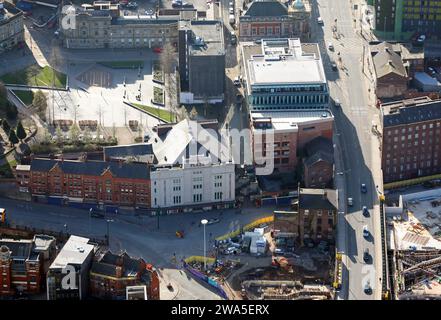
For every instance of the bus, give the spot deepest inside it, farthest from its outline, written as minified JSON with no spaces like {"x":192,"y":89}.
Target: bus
{"x":2,"y":215}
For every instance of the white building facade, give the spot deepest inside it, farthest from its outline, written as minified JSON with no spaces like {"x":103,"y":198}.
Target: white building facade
{"x":193,"y":185}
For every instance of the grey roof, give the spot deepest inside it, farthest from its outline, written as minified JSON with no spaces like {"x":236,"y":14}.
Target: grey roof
{"x":319,"y":156}
{"x":20,"y":249}
{"x":139,"y":149}
{"x":387,"y":61}
{"x":108,"y":263}
{"x":206,"y":38}
{"x":319,"y":144}
{"x":94,"y":168}
{"x":266,"y":8}
{"x":316,"y":199}
{"x":404,"y":112}
{"x":74,"y":252}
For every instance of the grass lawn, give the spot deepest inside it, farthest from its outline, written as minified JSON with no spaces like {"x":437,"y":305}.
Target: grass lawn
{"x":36,"y":76}
{"x":123,"y":64}
{"x":26,"y":96}
{"x":164,"y":115}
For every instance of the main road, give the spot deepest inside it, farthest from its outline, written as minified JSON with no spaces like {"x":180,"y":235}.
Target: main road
{"x":357,"y":156}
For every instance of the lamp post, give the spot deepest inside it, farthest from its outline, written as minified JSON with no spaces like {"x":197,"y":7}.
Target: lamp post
{"x":90,"y":221}
{"x":108,"y":234}
{"x":204,"y":222}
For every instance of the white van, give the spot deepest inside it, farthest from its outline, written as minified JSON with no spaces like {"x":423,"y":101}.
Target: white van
{"x":232,"y":19}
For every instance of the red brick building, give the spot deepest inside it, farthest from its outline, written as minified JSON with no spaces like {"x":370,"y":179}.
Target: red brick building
{"x":318,"y":165}
{"x":117,"y":183}
{"x":265,"y":19}
{"x":111,"y":274}
{"x":411,"y":139}
{"x":22,"y":264}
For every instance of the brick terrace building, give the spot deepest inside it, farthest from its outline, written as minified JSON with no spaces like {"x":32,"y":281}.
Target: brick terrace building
{"x":90,"y":181}
{"x":411,"y":135}
{"x":111,"y":274}
{"x":22,"y":264}
{"x":318,"y":165}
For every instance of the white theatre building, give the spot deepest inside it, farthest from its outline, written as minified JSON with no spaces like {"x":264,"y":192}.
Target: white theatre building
{"x":194,"y":170}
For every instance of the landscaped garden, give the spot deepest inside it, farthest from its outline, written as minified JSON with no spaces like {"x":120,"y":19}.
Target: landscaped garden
{"x":134,"y":64}
{"x":162,"y":114}
{"x":36,"y":76}
{"x":158,"y":95}
{"x":158,"y":73}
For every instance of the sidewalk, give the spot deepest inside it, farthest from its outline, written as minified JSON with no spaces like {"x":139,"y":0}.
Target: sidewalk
{"x":164,"y":292}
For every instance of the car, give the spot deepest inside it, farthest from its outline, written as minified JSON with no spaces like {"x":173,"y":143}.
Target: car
{"x":350,"y":202}
{"x":146,"y":138}
{"x":96,"y":214}
{"x":421,"y":38}
{"x":368,"y":288}
{"x":365,"y":231}
{"x":366,"y":255}
{"x":236,"y":82}
{"x":320,"y":21}
{"x":337,"y":103}
{"x":157,"y":50}
{"x":213,"y":221}
{"x":330,"y":46}
{"x":187,"y":5}
{"x":334,"y":66}
{"x":363,"y":188}
{"x":149,"y":12}
{"x":279,"y":252}
{"x":365,"y":211}
{"x":233,"y":39}
{"x":239,"y":98}
{"x":231,"y":10}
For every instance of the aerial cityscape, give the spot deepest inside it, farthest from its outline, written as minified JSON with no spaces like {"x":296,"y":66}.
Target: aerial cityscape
{"x":220,"y":150}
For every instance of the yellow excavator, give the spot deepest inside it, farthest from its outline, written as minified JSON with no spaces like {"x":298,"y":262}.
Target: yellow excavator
{"x":2,"y":215}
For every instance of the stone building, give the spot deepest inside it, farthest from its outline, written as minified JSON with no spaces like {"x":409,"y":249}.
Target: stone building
{"x":102,"y":25}
{"x":11,"y":26}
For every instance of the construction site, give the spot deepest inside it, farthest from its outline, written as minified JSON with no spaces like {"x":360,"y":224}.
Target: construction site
{"x":414,"y":242}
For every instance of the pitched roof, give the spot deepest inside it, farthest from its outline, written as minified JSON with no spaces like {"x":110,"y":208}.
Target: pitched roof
{"x":139,"y":149}
{"x":108,"y":263}
{"x":93,"y":168}
{"x":266,"y":8}
{"x":387,"y":61}
{"x":317,"y":199}
{"x":319,"y":149}
{"x":319,"y":156}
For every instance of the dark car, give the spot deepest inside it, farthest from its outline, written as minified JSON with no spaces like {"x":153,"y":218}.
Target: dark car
{"x":366,"y":255}
{"x":213,"y":221}
{"x":334,"y":66}
{"x":363,"y":188}
{"x":365,"y":211}
{"x":239,"y":98}
{"x":368,"y":288}
{"x":97,"y":214}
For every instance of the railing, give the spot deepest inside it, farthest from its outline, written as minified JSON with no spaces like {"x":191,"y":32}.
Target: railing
{"x":385,"y":264}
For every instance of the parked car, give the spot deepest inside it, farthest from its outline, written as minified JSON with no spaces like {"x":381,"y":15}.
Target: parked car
{"x":233,"y":39}
{"x":337,"y":103}
{"x":421,"y":38}
{"x":157,"y":50}
{"x":350,"y":202}
{"x":334,"y":66}
{"x":97,"y":214}
{"x":365,"y":231}
{"x":363,"y":188}
{"x":236,"y":81}
{"x":330,"y":46}
{"x":368,"y":288}
{"x":366,"y":255}
{"x":212,"y":221}
{"x":320,"y":21}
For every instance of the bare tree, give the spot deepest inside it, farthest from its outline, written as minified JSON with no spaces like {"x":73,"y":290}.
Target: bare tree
{"x":168,"y":60}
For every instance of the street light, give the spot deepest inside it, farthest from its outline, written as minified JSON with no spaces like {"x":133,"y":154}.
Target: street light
{"x":204,"y":222}
{"x":108,"y":235}
{"x":90,"y":221}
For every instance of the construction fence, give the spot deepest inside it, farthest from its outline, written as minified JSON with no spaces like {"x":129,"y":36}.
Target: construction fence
{"x":247,"y":227}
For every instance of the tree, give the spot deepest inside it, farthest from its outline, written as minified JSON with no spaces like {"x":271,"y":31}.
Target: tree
{"x":40,"y":104}
{"x":6,"y":127}
{"x":168,"y":60}
{"x":74,"y":133}
{"x":13,"y":138}
{"x":193,"y":113}
{"x":59,"y":135}
{"x":20,"y":131}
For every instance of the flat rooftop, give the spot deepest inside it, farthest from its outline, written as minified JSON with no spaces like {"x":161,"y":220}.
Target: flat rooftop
{"x":283,"y":61}
{"x":9,"y":11}
{"x":419,"y":225}
{"x":208,"y":37}
{"x":410,"y":111}
{"x":74,"y":252}
{"x":289,"y":120}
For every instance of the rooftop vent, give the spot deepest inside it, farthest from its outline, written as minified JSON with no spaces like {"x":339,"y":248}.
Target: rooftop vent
{"x":198,"y":41}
